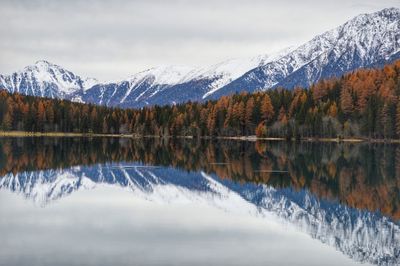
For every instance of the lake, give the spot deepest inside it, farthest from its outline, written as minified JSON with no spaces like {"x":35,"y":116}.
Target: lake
{"x":110,"y":201}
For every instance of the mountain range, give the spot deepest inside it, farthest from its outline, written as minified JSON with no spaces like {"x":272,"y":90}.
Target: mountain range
{"x":368,"y":40}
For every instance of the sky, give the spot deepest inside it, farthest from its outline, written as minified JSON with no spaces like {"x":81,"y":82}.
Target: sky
{"x":110,"y":40}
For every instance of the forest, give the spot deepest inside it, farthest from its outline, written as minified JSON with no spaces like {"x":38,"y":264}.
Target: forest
{"x":364,"y":103}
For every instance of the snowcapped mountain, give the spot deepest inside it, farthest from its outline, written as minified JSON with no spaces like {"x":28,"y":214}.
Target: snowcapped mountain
{"x":170,"y":84}
{"x":45,"y":79}
{"x":364,"y":41}
{"x":364,"y":236}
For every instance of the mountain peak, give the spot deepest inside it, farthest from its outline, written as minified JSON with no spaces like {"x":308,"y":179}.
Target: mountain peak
{"x":366,"y":40}
{"x":41,"y":67}
{"x":389,"y":11}
{"x":44,"y":79}
{"x":387,"y":14}
{"x":44,"y":64}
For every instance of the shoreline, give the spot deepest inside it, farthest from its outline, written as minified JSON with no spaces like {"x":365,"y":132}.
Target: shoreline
{"x":241,"y":138}
{"x":60,"y":134}
{"x":315,"y":139}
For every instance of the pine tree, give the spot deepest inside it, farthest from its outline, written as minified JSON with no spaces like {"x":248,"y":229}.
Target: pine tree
{"x":267,"y":108}
{"x":346,"y":101}
{"x":282,"y":116}
{"x":387,"y":120}
{"x":333,"y":110}
{"x":211,"y":122}
{"x":7,"y":121}
{"x":249,"y":115}
{"x":41,"y":116}
{"x":105,"y":126}
{"x":398,"y":119}
{"x":229,"y":116}
{"x":241,"y":115}
{"x":93,"y":121}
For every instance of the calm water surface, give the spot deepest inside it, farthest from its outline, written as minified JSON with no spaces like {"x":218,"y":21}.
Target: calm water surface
{"x":67,"y":201}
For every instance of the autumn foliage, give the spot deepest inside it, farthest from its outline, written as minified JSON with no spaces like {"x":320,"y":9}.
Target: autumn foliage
{"x":363,"y":103}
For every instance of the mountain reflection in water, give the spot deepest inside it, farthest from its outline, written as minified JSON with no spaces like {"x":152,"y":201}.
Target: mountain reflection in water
{"x":344,"y":195}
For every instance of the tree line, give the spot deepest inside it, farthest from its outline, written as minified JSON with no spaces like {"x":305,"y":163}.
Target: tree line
{"x":363,"y":103}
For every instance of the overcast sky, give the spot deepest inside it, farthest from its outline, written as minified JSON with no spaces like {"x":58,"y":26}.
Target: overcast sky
{"x":114,"y":39}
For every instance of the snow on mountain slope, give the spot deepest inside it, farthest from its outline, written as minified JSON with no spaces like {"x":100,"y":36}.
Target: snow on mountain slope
{"x":159,"y":78}
{"x":364,"y":41}
{"x":87,"y":83}
{"x":164,"y":75}
{"x":174,"y":84}
{"x":158,"y":85}
{"x":45,"y":79}
{"x":232,"y":69}
{"x":170,"y":84}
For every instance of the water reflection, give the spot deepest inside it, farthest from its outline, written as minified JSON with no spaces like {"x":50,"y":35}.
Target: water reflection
{"x":344,"y":195}
{"x":361,"y":176}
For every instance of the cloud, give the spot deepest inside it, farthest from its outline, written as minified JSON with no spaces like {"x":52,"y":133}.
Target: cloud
{"x":89,"y":36}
